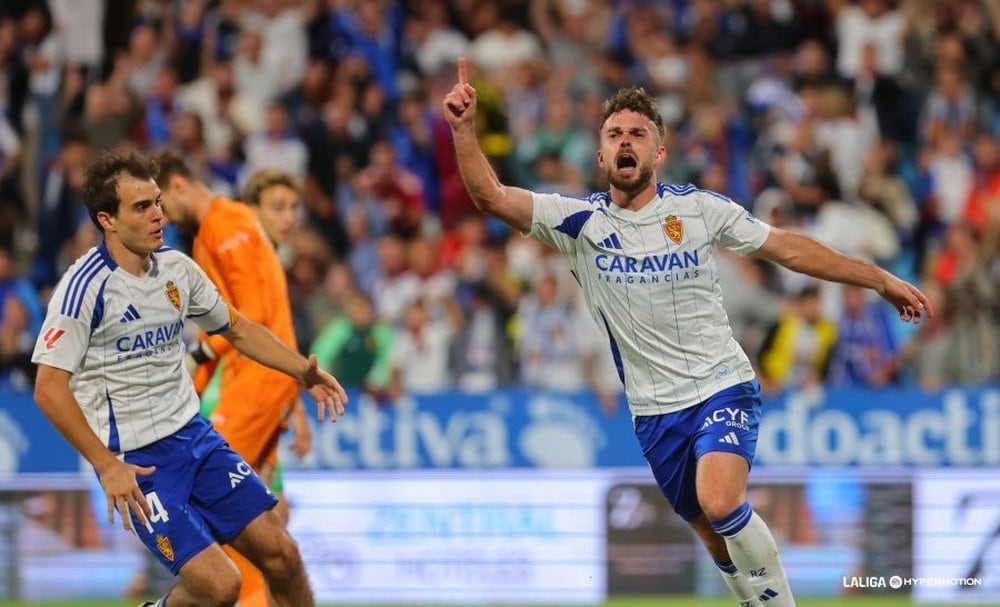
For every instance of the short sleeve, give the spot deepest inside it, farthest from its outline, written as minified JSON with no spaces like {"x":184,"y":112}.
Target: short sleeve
{"x":206,"y":308}
{"x":731,"y":225}
{"x":558,"y":220}
{"x":62,"y":343}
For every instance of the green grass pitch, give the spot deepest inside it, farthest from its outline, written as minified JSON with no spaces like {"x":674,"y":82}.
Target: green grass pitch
{"x":617,"y":602}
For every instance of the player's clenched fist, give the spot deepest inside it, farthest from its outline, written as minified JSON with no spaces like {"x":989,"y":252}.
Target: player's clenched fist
{"x":460,"y":102}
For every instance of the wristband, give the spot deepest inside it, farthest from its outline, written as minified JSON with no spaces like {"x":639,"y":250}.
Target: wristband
{"x":200,"y":352}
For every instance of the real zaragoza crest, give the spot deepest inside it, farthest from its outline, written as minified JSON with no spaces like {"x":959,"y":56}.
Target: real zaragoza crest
{"x":174,"y":294}
{"x":674,"y":228}
{"x":164,"y":546}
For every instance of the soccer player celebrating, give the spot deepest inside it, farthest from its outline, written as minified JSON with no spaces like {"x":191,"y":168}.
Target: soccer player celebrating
{"x":111,"y":380}
{"x":643,"y":253}
{"x":239,"y":257}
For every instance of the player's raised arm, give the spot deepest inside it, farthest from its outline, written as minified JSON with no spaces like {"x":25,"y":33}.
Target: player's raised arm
{"x":510,"y":204}
{"x":257,"y":342}
{"x":809,"y":256}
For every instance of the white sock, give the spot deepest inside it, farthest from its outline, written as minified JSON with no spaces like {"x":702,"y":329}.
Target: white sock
{"x":752,"y":548}
{"x":738,"y":584}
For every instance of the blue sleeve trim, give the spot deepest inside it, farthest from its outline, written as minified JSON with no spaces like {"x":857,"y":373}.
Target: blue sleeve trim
{"x":221,"y":329}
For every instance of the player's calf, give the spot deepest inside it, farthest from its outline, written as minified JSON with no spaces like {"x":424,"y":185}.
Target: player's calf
{"x":754,"y":553}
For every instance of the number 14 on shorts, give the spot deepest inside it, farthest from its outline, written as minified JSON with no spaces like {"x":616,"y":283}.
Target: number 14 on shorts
{"x":158,"y":512}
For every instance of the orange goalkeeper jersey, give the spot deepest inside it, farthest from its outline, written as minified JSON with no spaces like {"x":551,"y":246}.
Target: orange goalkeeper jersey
{"x":234,"y":251}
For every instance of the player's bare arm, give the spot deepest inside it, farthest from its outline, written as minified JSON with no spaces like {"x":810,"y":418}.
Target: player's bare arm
{"x":56,"y":400}
{"x":510,"y":204}
{"x":257,"y":342}
{"x":810,"y":256}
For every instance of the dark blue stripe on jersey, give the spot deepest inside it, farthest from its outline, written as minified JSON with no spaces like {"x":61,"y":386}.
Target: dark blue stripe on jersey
{"x":106,"y":254}
{"x":164,"y":249}
{"x":83,"y":290}
{"x":98,"y":316}
{"x":133,"y":313}
{"x":615,"y":352}
{"x":68,"y":296}
{"x":572,"y":225}
{"x":114,"y":444}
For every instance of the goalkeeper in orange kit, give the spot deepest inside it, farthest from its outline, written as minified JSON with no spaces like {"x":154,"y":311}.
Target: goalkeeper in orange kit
{"x":236,"y":253}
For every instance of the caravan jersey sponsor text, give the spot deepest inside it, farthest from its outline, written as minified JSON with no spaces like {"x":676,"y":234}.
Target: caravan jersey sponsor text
{"x":150,"y":341}
{"x":649,"y":269}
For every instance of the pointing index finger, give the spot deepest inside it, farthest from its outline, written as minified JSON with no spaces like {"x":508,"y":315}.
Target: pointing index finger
{"x":463,"y":71}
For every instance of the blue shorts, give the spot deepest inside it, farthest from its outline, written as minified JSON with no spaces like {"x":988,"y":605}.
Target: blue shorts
{"x":202,"y":492}
{"x":673,"y":442}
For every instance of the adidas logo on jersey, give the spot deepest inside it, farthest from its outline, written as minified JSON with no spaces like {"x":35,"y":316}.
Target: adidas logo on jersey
{"x":130,"y":314}
{"x":611,"y":242}
{"x":730,"y":439}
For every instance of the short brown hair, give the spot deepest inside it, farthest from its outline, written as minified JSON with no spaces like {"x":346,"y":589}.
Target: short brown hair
{"x":266,"y":178}
{"x":634,"y":99}
{"x":171,"y":164}
{"x":100,"y":187}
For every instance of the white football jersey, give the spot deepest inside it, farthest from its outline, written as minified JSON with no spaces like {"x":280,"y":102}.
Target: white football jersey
{"x":650,"y":279}
{"x":121,"y":338}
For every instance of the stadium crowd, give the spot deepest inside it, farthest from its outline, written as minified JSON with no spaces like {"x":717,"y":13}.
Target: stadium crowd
{"x":872,"y":125}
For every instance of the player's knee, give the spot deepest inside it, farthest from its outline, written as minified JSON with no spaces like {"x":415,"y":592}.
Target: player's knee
{"x":222,"y":589}
{"x":284,"y":563}
{"x":718,"y":506}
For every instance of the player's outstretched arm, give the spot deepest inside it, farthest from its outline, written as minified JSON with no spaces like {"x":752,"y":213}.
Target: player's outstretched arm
{"x":510,"y":204}
{"x":56,"y":400}
{"x":257,"y":342}
{"x":810,"y":256}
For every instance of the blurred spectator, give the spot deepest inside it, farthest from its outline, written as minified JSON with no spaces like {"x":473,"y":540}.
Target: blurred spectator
{"x":866,"y":350}
{"x":144,"y":59}
{"x":481,"y":355}
{"x":796,"y":351}
{"x":21,"y":315}
{"x":356,"y":347}
{"x":394,"y":286}
{"x":560,"y":135}
{"x":550,"y":348}
{"x":883,"y":189}
{"x":225,"y":113}
{"x":501,"y":42}
{"x":79,"y":23}
{"x":44,"y":58}
{"x":396,"y":190}
{"x":276,"y":145}
{"x":421,"y":349}
{"x":162,"y":107}
{"x":868,"y":22}
{"x":61,"y":211}
{"x":982,"y":208}
{"x":950,"y":109}
{"x":437,"y":44}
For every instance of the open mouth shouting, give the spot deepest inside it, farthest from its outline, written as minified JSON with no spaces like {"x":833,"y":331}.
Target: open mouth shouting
{"x":627,"y":164}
